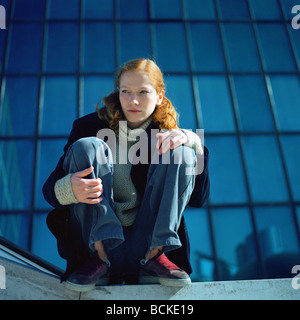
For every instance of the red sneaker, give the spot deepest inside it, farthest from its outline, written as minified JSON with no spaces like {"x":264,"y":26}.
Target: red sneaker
{"x":161,"y":270}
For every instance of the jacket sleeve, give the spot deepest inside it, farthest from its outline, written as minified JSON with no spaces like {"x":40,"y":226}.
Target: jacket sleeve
{"x":58,"y":173}
{"x":202,"y":184}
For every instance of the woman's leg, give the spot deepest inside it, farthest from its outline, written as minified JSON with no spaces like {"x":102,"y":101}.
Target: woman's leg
{"x":168,"y":190}
{"x":96,"y":224}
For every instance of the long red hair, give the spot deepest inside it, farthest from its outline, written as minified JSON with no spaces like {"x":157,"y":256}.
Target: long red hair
{"x":164,"y":116}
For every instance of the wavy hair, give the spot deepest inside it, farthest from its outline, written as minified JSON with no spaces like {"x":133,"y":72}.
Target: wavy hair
{"x":164,"y":115}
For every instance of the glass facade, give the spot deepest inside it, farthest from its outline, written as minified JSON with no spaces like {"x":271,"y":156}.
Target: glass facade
{"x":232,"y":67}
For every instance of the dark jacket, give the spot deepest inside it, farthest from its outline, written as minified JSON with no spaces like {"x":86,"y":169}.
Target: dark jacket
{"x":88,"y":126}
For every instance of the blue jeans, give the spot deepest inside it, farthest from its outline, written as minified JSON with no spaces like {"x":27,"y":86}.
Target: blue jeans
{"x":166,"y":195}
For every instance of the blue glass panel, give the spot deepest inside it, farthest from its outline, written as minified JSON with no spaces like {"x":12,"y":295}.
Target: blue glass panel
{"x":286,"y":92}
{"x":95,"y":9}
{"x":264,"y":166}
{"x":290,"y":145}
{"x":67,"y":9}
{"x":277,"y":231}
{"x":276,"y":57}
{"x":226,"y":172}
{"x":171,"y":49}
{"x":98,"y":48}
{"x":49,"y":153}
{"x":216,"y":104}
{"x":203,"y":9}
{"x":296,"y":41}
{"x":62,"y":47}
{"x":266,"y":10}
{"x":164,"y":9}
{"x":201,"y":251}
{"x":132,"y":9}
{"x":15,"y":228}
{"x":25,"y":49}
{"x":94,"y":89}
{"x":207,"y":50}
{"x":241,"y":47}
{"x":29,"y":9}
{"x":135,"y":41}
{"x":60,"y":105}
{"x":179,"y":92}
{"x":234,"y":9}
{"x":16,"y":165}
{"x":44,"y":243}
{"x":19,"y":111}
{"x":234,"y":249}
{"x":253,"y":103}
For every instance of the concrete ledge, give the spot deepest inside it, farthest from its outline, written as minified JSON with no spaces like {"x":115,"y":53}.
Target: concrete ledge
{"x":25,"y":283}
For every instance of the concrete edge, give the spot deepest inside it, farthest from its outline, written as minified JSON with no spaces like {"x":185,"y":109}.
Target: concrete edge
{"x":26,"y":283}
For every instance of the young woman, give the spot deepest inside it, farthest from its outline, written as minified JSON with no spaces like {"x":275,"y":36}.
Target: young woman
{"x":122,"y":219}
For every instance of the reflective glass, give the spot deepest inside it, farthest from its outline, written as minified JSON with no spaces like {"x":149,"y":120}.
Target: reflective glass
{"x":44,"y":243}
{"x":59,"y":108}
{"x":67,"y":9}
{"x":291,"y":150}
{"x":94,"y":89}
{"x":201,"y":251}
{"x":295,"y":40}
{"x":135,"y":41}
{"x":170,"y":47}
{"x":15,"y":228}
{"x":132,"y":9}
{"x":226,"y":172}
{"x":163,"y":9}
{"x":253,"y":103}
{"x":95,"y":9}
{"x":19,"y":106}
{"x":203,"y":9}
{"x":207,"y":50}
{"x":276,"y":57}
{"x":179,"y":92}
{"x":241,"y":47}
{"x":98,"y":53}
{"x":62,"y":47}
{"x":216,"y":106}
{"x":25,"y":49}
{"x":286,"y":93}
{"x":278,"y":240}
{"x":16,"y":172}
{"x":29,"y":9}
{"x":266,"y":10}
{"x":49,"y":153}
{"x":235,"y":250}
{"x":234,"y":9}
{"x":264,"y":167}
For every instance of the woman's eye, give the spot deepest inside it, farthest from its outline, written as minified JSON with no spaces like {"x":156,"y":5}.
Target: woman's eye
{"x":124,"y":91}
{"x":144,"y":91}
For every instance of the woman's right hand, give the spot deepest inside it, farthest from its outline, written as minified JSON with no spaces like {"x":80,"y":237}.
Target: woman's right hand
{"x":86,"y":190}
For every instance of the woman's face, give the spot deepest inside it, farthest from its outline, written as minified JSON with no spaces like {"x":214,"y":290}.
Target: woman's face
{"x":138,"y":97}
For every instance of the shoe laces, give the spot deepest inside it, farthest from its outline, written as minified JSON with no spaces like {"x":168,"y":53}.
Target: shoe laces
{"x":92,"y":265}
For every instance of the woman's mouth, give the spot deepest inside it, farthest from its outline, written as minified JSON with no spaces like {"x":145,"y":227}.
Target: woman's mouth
{"x":134,"y":111}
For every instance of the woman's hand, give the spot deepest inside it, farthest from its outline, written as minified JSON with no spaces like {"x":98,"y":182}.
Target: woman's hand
{"x":86,"y":190}
{"x":170,"y":139}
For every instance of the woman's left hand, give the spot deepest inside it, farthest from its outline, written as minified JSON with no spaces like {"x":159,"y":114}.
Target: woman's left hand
{"x":170,"y":139}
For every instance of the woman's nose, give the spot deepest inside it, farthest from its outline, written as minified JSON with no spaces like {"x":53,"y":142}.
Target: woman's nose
{"x":134,"y":100}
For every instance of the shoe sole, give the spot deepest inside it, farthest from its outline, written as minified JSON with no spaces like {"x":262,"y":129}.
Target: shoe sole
{"x":165,"y":281}
{"x":85,"y":287}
